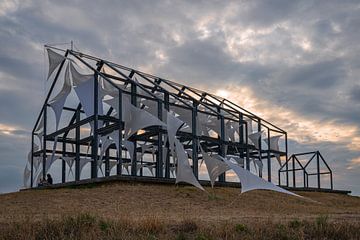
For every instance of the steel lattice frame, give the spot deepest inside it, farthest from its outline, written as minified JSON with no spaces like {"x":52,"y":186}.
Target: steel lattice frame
{"x":168,"y":95}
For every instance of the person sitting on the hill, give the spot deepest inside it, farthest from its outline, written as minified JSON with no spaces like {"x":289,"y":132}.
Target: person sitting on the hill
{"x":42,"y":182}
{"x":49,"y":179}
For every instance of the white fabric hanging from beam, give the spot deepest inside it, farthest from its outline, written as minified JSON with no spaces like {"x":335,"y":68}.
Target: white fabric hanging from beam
{"x":173,"y":125}
{"x":184,"y":171}
{"x":58,"y":102}
{"x":255,"y":137}
{"x":214,"y":166}
{"x":250,"y":181}
{"x":84,"y":88}
{"x":54,"y":61}
{"x":274,"y":145}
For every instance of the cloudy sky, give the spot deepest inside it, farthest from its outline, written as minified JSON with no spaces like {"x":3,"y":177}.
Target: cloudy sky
{"x":295,"y":63}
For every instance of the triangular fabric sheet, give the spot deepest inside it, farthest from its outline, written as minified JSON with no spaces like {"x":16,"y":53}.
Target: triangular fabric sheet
{"x":173,"y":125}
{"x":58,"y":102}
{"x":84,"y":88}
{"x":83,"y":162}
{"x":214,"y":166}
{"x":250,"y":181}
{"x":274,"y":145}
{"x":184,"y":171}
{"x":254,"y":137}
{"x":105,"y":144}
{"x":140,"y":119}
{"x":70,"y":162}
{"x":249,"y":126}
{"x":54,"y":61}
{"x":238,"y":159}
{"x":112,"y":164}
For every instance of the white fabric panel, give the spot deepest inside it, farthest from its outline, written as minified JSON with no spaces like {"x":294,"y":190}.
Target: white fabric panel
{"x":40,"y":125}
{"x":112,"y":164}
{"x":27,"y":174}
{"x":214,"y":166}
{"x":274,"y":145}
{"x":58,"y":102}
{"x":83,"y":162}
{"x":105,"y":144}
{"x":249,"y":126}
{"x":184,"y":171}
{"x":250,"y":181}
{"x":258,"y":164}
{"x":254,"y":137}
{"x":173,"y":125}
{"x":37,"y":162}
{"x":126,"y":166}
{"x":214,"y":124}
{"x":140,"y":119}
{"x":54,"y":61}
{"x":70,"y":162}
{"x":238,"y":159}
{"x":130,"y":147}
{"x":84,"y":88}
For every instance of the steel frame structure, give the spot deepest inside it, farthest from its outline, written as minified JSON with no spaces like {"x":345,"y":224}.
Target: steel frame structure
{"x":166,"y":95}
{"x":311,"y":156}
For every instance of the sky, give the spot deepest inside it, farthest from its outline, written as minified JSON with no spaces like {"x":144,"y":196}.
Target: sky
{"x":294,"y":63}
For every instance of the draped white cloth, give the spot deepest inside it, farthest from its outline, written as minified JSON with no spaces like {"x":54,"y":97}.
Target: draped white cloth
{"x":184,"y":171}
{"x":274,"y":145}
{"x":58,"y":102}
{"x":173,"y":125}
{"x":54,"y":61}
{"x":255,"y":137}
{"x":70,"y":162}
{"x":250,"y":181}
{"x":84,"y":88}
{"x":214,"y":166}
{"x":83,"y":162}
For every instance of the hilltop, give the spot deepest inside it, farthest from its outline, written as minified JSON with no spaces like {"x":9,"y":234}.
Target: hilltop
{"x":168,"y":211}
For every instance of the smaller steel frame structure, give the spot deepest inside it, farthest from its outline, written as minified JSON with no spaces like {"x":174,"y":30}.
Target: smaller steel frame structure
{"x":164,"y":94}
{"x":296,"y":165}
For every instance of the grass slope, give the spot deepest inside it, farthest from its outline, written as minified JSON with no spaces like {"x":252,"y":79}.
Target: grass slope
{"x":146,"y":211}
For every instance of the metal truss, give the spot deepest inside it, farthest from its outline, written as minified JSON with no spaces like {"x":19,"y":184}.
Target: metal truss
{"x":165,"y":94}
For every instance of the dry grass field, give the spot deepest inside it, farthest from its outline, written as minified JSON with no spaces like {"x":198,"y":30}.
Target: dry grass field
{"x":147,"y":211}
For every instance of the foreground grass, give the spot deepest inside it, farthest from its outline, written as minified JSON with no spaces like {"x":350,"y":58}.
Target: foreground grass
{"x":87,"y":226}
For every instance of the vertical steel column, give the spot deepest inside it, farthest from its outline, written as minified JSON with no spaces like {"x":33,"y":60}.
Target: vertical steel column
{"x":268,"y":157}
{"x":247,"y":147}
{"x":318,"y":169}
{"x":95,"y":142}
{"x":304,"y":178}
{"x":331,"y":180}
{"x":77,"y":146}
{"x":107,"y":163}
{"x":194,"y":140}
{"x":134,"y":160}
{"x":287,"y":166}
{"x":167,"y":160}
{"x":32,"y":160}
{"x":63,"y":165}
{"x":119,"y":151}
{"x":293,"y":170}
{"x":44,"y":141}
{"x":159,"y":157}
{"x":222,"y":177}
{"x":260,"y":154}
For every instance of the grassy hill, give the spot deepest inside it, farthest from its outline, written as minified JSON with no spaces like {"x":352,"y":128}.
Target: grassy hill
{"x":149,"y":211}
